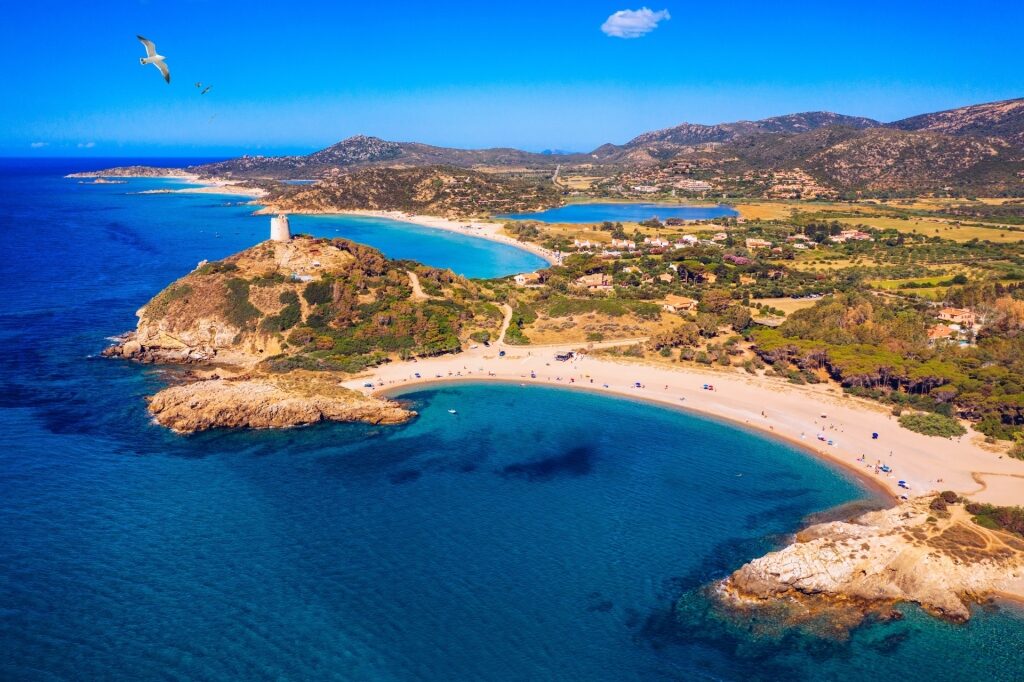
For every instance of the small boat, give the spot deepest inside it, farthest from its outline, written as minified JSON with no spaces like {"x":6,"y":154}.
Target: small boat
{"x":451,"y":412}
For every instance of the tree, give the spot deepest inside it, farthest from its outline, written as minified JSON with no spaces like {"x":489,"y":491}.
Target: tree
{"x":708,"y":324}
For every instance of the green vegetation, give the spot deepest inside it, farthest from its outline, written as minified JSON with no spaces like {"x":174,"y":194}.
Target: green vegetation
{"x":878,"y":348}
{"x":932,"y":425}
{"x":238,"y":310}
{"x":561,"y":306}
{"x":1010,"y":519}
{"x":522,"y":315}
{"x":288,"y":317}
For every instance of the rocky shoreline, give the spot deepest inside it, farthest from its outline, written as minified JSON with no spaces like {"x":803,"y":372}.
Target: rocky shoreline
{"x":268,"y":401}
{"x":923,"y":552}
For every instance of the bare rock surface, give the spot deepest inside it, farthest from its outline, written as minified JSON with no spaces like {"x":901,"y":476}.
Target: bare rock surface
{"x":269,"y":401}
{"x":940,"y":560}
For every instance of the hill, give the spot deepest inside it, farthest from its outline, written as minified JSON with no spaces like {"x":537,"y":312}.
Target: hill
{"x":435,"y":190}
{"x":361,"y":151}
{"x":268,"y":328}
{"x":1003,"y":120}
{"x":975,"y":150}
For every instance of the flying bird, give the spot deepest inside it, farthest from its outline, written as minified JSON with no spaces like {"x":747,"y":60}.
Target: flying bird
{"x":206,"y":89}
{"x":153,"y":58}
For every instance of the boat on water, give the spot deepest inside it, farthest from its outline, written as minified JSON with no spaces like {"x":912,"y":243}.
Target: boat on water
{"x":451,"y":412}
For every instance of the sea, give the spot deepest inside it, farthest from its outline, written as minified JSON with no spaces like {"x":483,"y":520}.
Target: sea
{"x":623,"y":212}
{"x":535,"y":534}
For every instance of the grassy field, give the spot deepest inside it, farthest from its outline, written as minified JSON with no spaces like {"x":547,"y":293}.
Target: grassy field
{"x":938,"y":228}
{"x":768,"y":210}
{"x":786,"y":305}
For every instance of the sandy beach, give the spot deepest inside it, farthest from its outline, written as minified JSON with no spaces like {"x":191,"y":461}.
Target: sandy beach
{"x":216,"y":186}
{"x":818,"y":419}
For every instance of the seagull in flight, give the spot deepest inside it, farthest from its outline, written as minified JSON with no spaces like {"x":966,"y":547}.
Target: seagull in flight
{"x":153,"y":58}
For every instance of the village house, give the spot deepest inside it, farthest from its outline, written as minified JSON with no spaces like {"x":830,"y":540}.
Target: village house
{"x":667,"y":278}
{"x":755,"y":243}
{"x":719,"y":237}
{"x":583,"y":244}
{"x":850,"y":235}
{"x":656,"y":242}
{"x":673,"y":303}
{"x":940,"y":334}
{"x":960,"y":316}
{"x":527,"y":279}
{"x":689,"y":185}
{"x":685,"y":241}
{"x":596,"y":282}
{"x":645,"y":189}
{"x":627,"y":244}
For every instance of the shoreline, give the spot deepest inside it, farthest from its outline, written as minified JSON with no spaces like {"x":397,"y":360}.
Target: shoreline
{"x":797,"y":415}
{"x":469,"y":227}
{"x":873,"y":486}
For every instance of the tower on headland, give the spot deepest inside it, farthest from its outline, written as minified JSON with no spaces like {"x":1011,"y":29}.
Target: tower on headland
{"x":279,"y":231}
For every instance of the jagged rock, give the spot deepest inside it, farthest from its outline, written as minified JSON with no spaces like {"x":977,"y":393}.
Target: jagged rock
{"x":903,"y":554}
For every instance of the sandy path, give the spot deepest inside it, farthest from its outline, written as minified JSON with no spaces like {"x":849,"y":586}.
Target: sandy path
{"x":795,"y":413}
{"x":417,"y":290}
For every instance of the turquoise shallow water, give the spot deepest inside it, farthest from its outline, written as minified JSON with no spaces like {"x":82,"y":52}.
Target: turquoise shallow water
{"x":597,"y":212}
{"x":537,"y":534}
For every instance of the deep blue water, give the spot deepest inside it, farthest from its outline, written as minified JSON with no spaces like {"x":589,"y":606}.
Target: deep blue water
{"x":597,"y":213}
{"x":536,"y":535}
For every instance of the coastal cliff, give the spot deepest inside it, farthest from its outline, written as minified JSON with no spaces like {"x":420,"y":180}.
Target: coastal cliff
{"x":924,"y":552}
{"x":291,"y":319}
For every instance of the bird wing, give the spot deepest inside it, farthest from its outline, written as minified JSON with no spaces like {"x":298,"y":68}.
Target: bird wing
{"x":162,"y":65}
{"x":206,"y":89}
{"x":150,"y":47}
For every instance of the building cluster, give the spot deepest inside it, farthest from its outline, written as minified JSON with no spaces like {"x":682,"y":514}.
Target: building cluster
{"x":958,"y":326}
{"x":850,"y":236}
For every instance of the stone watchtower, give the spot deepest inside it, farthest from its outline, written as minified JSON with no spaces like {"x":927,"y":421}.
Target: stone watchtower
{"x":279,"y":231}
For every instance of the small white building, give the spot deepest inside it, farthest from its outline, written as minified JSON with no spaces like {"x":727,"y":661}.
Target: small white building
{"x":527,"y":279}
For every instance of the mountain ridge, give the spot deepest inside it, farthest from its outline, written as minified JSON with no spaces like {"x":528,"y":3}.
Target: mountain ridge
{"x":968,"y":150}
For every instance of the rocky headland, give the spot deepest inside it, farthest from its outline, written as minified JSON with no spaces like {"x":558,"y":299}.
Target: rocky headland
{"x":928,"y":552}
{"x":269,"y":333}
{"x":268,"y":401}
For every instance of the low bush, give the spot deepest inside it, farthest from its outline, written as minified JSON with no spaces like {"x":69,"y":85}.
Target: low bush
{"x":932,"y":425}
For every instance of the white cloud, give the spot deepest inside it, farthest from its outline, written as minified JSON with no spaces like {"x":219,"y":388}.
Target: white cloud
{"x":37,"y":145}
{"x":633,"y":23}
{"x":86,"y":145}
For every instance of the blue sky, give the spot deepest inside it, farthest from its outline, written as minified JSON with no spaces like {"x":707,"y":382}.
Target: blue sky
{"x":296,"y":76}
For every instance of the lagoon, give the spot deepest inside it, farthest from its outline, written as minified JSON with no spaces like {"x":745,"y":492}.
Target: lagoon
{"x":623,"y":212}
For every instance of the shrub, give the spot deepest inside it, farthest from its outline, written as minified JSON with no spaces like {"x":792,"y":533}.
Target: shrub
{"x":318,"y":292}
{"x":239,"y":311}
{"x":932,"y":425}
{"x":288,"y":316}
